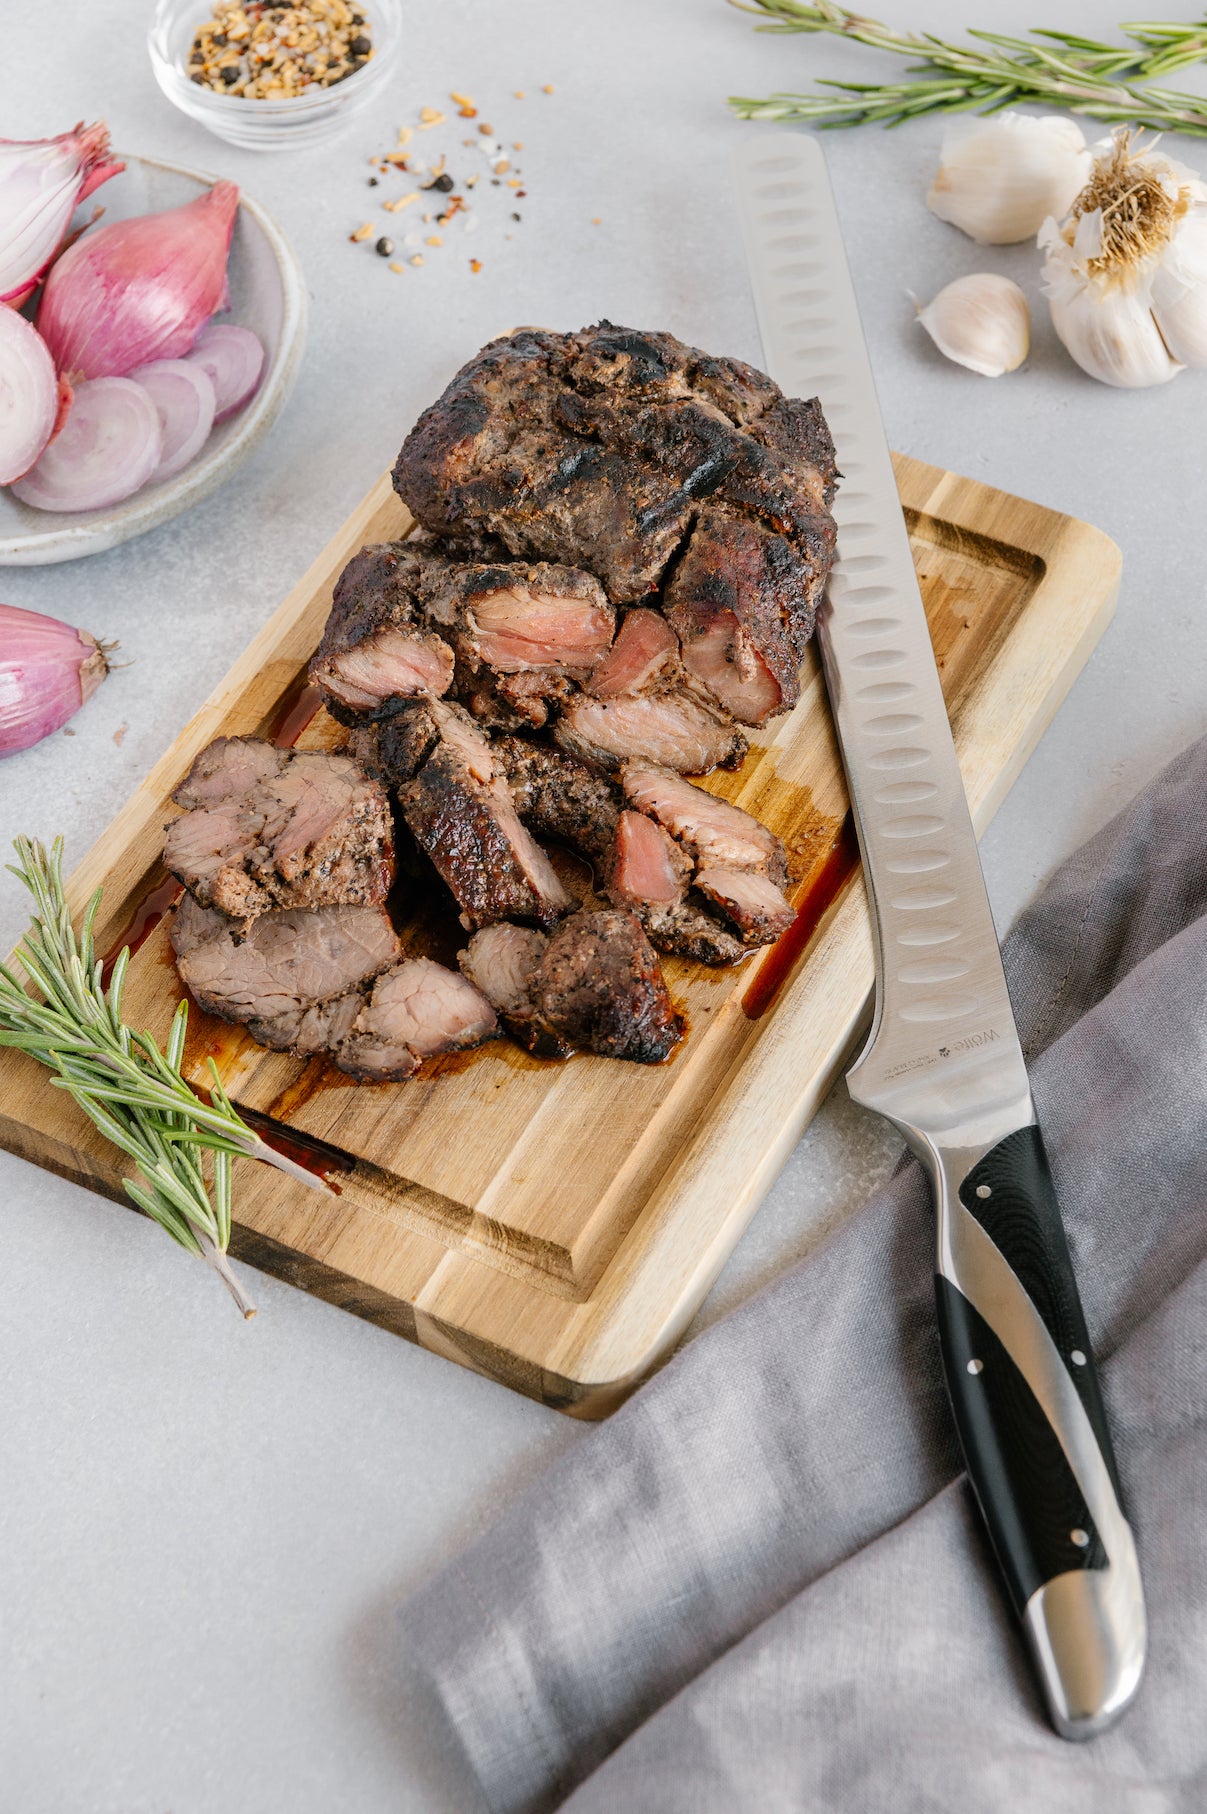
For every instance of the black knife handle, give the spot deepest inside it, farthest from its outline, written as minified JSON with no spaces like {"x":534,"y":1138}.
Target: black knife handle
{"x":1033,"y":1427}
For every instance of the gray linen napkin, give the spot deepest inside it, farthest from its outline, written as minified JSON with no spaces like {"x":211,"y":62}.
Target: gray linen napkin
{"x":762,"y":1584}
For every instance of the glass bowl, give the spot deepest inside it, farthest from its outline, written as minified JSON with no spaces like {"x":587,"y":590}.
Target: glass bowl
{"x":302,"y":120}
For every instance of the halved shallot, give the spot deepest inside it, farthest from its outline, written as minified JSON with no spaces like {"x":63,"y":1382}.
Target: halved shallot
{"x":109,"y":446}
{"x":47,"y":670}
{"x":234,"y":359}
{"x":42,"y":183}
{"x":183,"y":396}
{"x":30,"y":395}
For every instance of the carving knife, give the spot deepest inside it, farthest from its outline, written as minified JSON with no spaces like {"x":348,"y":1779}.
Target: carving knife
{"x":943,"y":1060}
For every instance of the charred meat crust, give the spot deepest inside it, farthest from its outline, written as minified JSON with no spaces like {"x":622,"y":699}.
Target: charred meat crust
{"x":600,"y":448}
{"x":460,"y":812}
{"x":376,"y":652}
{"x":594,"y":984}
{"x":265,"y":827}
{"x":562,"y":799}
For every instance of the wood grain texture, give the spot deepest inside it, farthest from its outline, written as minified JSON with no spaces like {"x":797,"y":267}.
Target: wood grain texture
{"x":556,"y":1225}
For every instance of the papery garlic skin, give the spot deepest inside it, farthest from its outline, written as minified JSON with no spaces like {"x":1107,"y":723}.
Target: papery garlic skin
{"x":42,"y":183}
{"x":1126,"y":271}
{"x":981,"y":322}
{"x":47,"y":670}
{"x":1000,"y":178}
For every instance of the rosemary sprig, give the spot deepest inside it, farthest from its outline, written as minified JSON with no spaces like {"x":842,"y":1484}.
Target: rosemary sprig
{"x":1059,"y":69}
{"x":134,"y":1093}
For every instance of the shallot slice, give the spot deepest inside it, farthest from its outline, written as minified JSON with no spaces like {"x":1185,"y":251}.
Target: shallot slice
{"x":183,"y":395}
{"x":234,"y":359}
{"x":109,"y":446}
{"x":29,"y":395}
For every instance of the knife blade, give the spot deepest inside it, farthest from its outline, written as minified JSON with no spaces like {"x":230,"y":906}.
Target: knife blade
{"x":943,"y":1061}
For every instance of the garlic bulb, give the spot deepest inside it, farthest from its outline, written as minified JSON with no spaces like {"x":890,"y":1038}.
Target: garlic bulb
{"x":1126,"y":271}
{"x":982,"y":322}
{"x":1000,"y":178}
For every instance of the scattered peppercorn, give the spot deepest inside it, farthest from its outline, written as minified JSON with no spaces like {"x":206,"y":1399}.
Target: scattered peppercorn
{"x":384,"y":248}
{"x":443,"y":183}
{"x":372,"y":182}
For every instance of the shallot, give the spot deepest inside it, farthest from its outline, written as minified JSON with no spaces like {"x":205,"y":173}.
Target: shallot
{"x":31,"y":397}
{"x":47,"y":670}
{"x":139,"y":289}
{"x":183,"y":395}
{"x":109,"y":446}
{"x":234,"y":359}
{"x":42,"y":183}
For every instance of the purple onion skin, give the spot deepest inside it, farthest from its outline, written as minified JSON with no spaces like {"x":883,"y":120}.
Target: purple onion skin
{"x":138,"y":289}
{"x":47,"y":670}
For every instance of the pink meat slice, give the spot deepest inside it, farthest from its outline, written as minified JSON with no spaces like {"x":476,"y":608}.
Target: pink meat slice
{"x":757,"y":907}
{"x":648,"y":867}
{"x":715,"y":832}
{"x":395,"y":663}
{"x":228,"y":768}
{"x":286,"y":961}
{"x":415,"y":1011}
{"x":644,"y":643}
{"x":673,"y":729}
{"x":721,"y":654}
{"x":519,"y":629}
{"x":501,"y":961}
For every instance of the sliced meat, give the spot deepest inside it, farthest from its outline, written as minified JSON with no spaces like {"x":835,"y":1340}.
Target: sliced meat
{"x":562,"y":799}
{"x":600,"y":987}
{"x":375,"y":650}
{"x":649,"y":868}
{"x":650,"y":875}
{"x":740,"y":866}
{"x":712,"y":830}
{"x":270,"y":828}
{"x":413,"y":1012}
{"x":644,"y":645}
{"x":594,"y":984}
{"x":677,"y":729}
{"x":310,"y":1032}
{"x":286,"y":963}
{"x":460,"y":812}
{"x":756,"y":905}
{"x":502,"y":961}
{"x":599,"y":449}
{"x":516,"y":618}
{"x":737,"y":603}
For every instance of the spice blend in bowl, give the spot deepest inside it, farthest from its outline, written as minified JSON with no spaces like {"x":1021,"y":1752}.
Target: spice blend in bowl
{"x":254,"y":87}
{"x":266,"y":52}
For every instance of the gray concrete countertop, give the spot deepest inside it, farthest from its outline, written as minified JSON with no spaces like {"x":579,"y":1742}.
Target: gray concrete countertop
{"x":205,"y":1524}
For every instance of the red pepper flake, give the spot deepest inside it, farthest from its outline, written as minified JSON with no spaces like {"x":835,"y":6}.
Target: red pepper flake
{"x":475,"y":264}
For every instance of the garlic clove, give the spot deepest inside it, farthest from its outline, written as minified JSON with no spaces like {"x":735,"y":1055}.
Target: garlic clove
{"x":982,"y":322}
{"x":999,"y":178}
{"x":1115,"y":340}
{"x":1179,"y":293}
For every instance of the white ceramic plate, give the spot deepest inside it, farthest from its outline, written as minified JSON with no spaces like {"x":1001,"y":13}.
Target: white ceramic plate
{"x":267,"y":295}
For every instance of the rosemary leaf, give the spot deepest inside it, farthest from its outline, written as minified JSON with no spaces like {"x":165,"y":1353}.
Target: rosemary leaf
{"x":1054,"y":68}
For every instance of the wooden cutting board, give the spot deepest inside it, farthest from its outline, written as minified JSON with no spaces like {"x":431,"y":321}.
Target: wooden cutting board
{"x":556,"y":1225}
